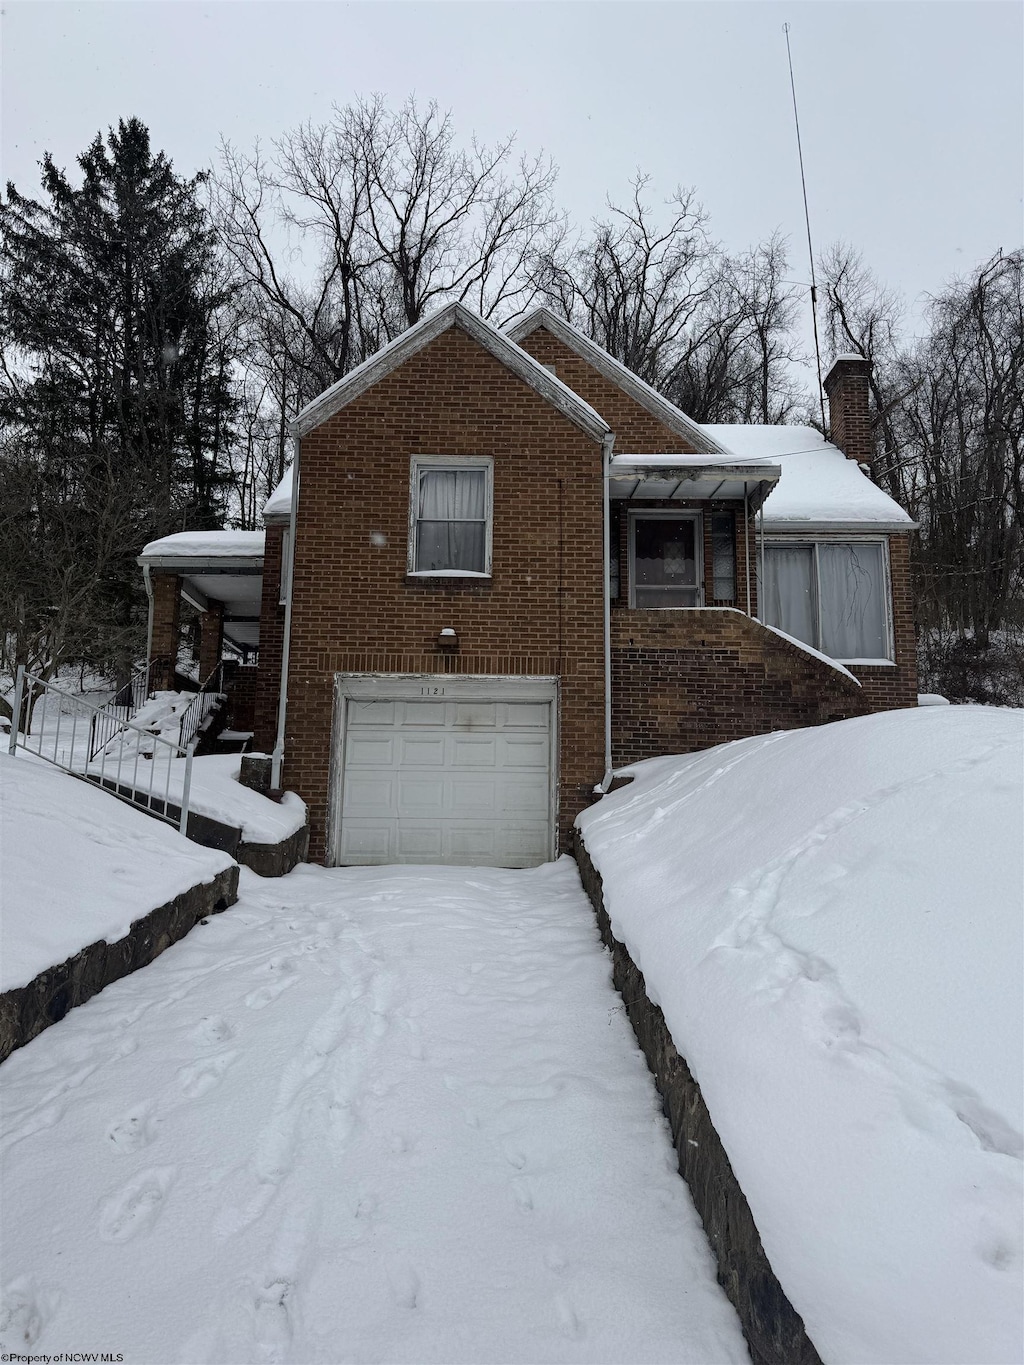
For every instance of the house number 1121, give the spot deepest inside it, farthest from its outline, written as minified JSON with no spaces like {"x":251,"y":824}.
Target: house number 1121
{"x":431,"y":691}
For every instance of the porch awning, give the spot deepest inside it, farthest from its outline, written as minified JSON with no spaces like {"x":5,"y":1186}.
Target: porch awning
{"x":696,"y":477}
{"x":222,"y":567}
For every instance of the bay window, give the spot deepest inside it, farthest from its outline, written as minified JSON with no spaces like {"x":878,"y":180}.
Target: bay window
{"x":832,"y":595}
{"x":450,"y":518}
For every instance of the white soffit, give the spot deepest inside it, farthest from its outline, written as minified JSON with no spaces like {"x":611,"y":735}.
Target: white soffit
{"x":613,"y":370}
{"x":549,"y":386}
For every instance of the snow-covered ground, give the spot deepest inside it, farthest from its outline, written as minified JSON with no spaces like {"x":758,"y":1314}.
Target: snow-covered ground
{"x":831,"y":920}
{"x":60,"y":732}
{"x":78,"y":866}
{"x":367,"y":1115}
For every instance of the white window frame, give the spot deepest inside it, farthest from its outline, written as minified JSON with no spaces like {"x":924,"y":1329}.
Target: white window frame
{"x":667,"y":514}
{"x":422,"y":464}
{"x":812,"y":543}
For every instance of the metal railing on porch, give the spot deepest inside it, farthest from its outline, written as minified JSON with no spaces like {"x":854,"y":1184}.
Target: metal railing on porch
{"x":126,"y":702}
{"x":195,"y":714}
{"x":142,"y":768}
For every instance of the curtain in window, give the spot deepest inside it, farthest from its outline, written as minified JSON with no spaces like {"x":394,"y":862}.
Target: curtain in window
{"x":789,"y":591}
{"x":452,"y":520}
{"x":851,"y":584}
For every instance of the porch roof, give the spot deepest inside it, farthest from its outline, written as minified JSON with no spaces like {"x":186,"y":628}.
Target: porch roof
{"x":703,"y":477}
{"x":221,"y":567}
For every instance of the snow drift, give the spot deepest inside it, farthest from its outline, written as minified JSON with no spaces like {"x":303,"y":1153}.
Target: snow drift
{"x":831,"y":921}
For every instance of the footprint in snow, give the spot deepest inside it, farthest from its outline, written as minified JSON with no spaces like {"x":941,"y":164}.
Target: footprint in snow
{"x":522,"y":1194}
{"x":555,"y":1258}
{"x":136,"y":1129}
{"x":25,"y":1307}
{"x":213,"y":1028}
{"x":272,"y":1323}
{"x":201,"y":1076}
{"x":136,"y":1207}
{"x":404,"y":1282}
{"x":284,"y":975}
{"x":570,"y":1321}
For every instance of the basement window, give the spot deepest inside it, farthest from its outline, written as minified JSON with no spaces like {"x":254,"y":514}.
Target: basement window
{"x":833,"y":595}
{"x":450,"y":518}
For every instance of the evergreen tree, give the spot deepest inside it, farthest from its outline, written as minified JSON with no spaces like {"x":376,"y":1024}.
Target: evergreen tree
{"x":117,"y":337}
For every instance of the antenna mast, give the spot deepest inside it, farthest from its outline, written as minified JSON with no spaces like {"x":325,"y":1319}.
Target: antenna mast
{"x":810,"y":248}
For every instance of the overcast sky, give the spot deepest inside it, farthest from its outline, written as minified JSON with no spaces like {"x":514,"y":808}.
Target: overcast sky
{"x":911,"y":113}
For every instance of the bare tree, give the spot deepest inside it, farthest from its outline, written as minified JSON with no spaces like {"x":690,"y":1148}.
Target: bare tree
{"x":712,"y":332}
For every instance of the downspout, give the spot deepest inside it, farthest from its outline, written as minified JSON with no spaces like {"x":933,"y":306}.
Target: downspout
{"x":607,"y":444}
{"x":760,"y":561}
{"x":277,"y":759}
{"x":149,"y":625}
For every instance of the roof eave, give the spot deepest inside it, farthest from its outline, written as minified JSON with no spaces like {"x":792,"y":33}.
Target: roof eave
{"x":823,"y":527}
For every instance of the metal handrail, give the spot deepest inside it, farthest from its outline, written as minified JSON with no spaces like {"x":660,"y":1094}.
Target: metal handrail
{"x":117,"y":773}
{"x":114,"y":714}
{"x":201,"y":705}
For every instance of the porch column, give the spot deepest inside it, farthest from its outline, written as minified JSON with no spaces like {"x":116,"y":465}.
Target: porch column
{"x":166,"y":626}
{"x":211,"y":639}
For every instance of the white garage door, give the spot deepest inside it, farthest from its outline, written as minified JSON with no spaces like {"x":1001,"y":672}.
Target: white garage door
{"x":440,"y":775}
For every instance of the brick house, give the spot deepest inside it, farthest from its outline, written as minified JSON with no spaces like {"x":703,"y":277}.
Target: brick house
{"x":442,"y":676}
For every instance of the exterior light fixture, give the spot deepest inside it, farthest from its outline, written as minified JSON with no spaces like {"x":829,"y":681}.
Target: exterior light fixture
{"x":448,"y":641}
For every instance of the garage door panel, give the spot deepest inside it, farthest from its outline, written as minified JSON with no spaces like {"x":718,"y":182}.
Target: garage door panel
{"x":473,"y":751}
{"x":424,"y":713}
{"x":420,"y":796}
{"x":470,"y":796}
{"x":453,"y":780}
{"x":421,"y":751}
{"x":530,"y":714}
{"x":419,"y":841}
{"x":377,"y":713}
{"x":476,"y":715}
{"x":370,"y":751}
{"x":524,"y":751}
{"x":371,"y":793}
{"x":366,"y":841}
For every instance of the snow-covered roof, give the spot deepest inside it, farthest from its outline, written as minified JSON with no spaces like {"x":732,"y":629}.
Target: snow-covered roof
{"x":513,"y":357}
{"x":193,"y":545}
{"x":820,"y":488}
{"x":672,"y":475}
{"x":279,"y":504}
{"x":641,"y":392}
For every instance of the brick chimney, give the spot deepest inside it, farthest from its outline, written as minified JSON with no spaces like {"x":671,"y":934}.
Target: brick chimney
{"x":849,"y":409}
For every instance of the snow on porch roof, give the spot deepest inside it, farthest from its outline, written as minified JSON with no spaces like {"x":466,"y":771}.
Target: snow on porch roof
{"x":513,"y":357}
{"x":820,"y":488}
{"x":692,"y":476}
{"x":187,"y":549}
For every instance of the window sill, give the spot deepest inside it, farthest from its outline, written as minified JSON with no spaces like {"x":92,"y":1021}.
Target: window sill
{"x":445,"y":573}
{"x":449,"y":580}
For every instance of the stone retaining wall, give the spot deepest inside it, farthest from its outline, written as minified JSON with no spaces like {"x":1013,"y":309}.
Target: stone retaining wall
{"x":774,"y":1330}
{"x":27,"y":1010}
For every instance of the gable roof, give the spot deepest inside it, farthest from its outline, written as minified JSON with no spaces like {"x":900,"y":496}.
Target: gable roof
{"x":613,"y":370}
{"x":357,"y":381}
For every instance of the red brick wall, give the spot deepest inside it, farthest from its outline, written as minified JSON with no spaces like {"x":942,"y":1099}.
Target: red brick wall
{"x":166,"y":628}
{"x":686,"y":680}
{"x":891,"y":688}
{"x":355,"y":609}
{"x":240,"y":683}
{"x":637,"y":432}
{"x":268,"y":681}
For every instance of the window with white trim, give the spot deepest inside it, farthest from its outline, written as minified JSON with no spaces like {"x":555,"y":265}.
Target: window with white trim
{"x":832,"y":595}
{"x":450,"y":518}
{"x":665,"y":559}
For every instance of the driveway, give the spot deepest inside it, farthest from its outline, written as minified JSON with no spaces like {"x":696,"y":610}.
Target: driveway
{"x":384,"y":1114}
